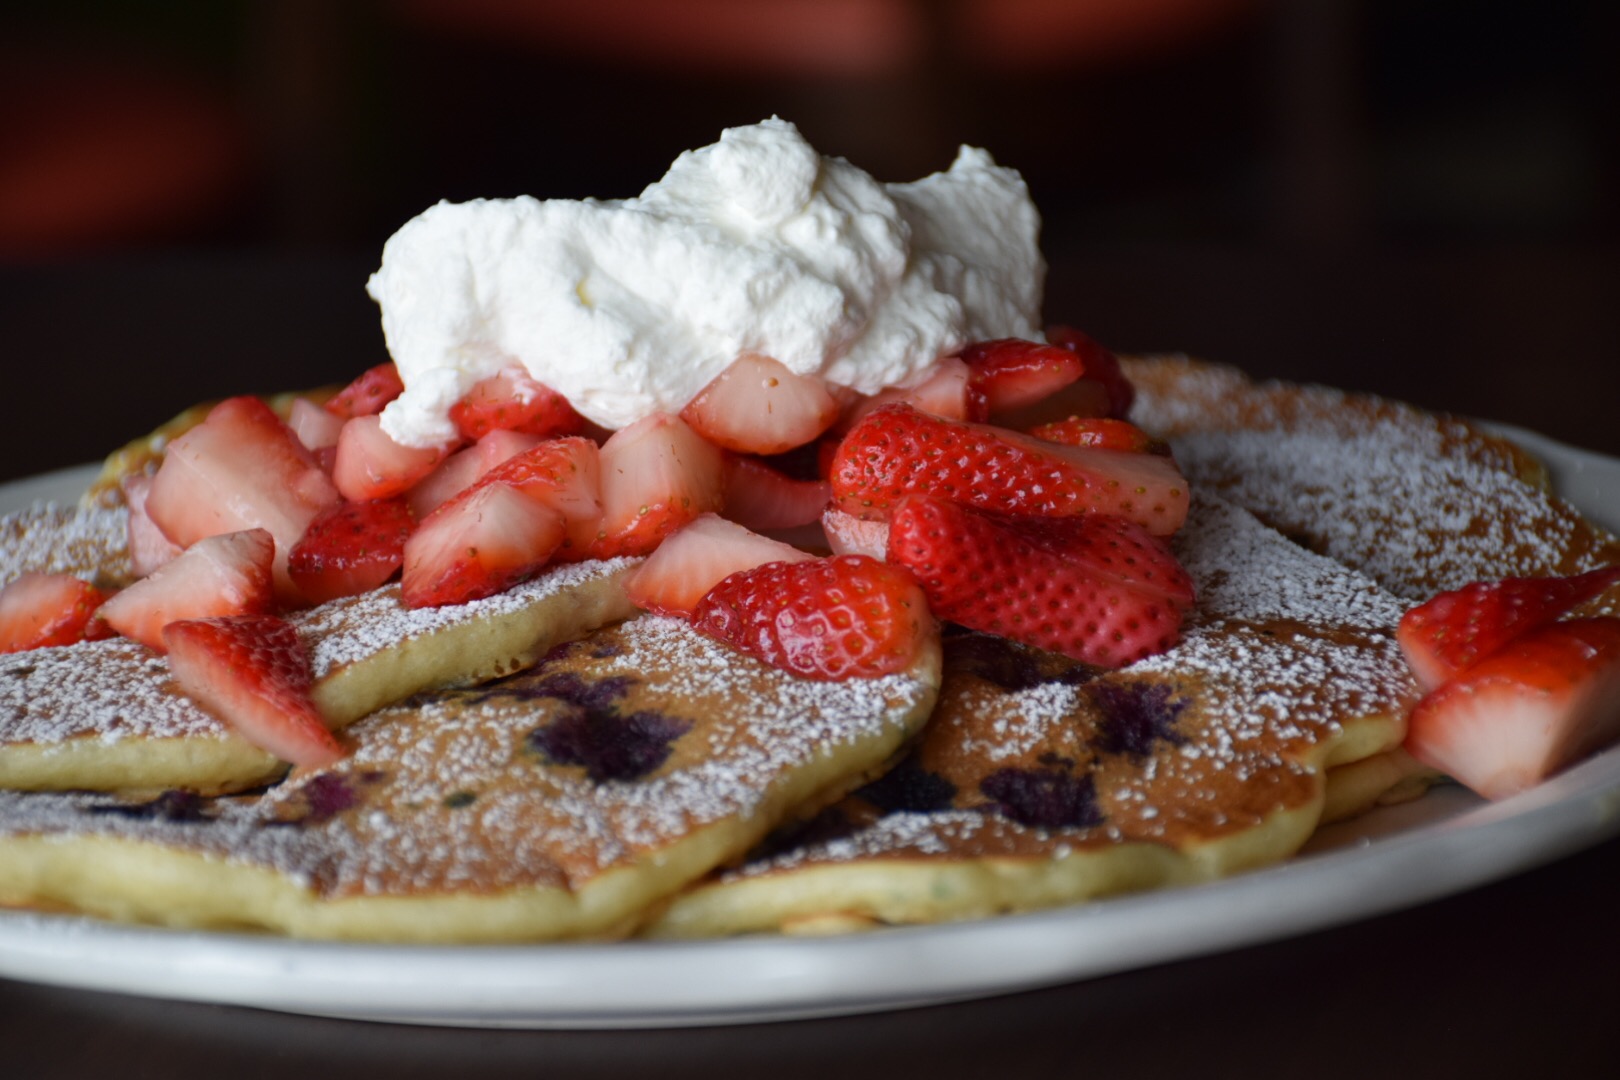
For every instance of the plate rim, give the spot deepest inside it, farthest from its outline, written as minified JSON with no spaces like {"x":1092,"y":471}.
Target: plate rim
{"x":647,"y":984}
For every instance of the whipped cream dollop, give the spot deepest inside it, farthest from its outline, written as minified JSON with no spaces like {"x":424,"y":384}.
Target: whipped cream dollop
{"x":756,"y":243}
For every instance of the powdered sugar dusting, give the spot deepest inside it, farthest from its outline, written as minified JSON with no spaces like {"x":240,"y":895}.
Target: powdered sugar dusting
{"x":353,"y":628}
{"x":107,"y":690}
{"x":88,"y":542}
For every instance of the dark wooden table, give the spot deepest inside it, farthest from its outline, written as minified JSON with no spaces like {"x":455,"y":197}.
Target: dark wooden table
{"x":1520,"y":977}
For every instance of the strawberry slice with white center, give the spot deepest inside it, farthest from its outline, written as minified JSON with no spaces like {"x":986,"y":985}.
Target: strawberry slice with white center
{"x":148,"y":547}
{"x":758,"y":406}
{"x":40,"y":610}
{"x":1017,"y":578}
{"x":657,"y":475}
{"x":1538,"y":704}
{"x":513,"y":400}
{"x":253,"y":674}
{"x":228,"y":574}
{"x":566,"y":475}
{"x":696,"y":559}
{"x":897,"y":451}
{"x":367,"y":395}
{"x":241,"y":468}
{"x":371,"y":465}
{"x":482,"y":542}
{"x":949,"y":393}
{"x":1452,"y":632}
{"x":850,"y":535}
{"x":317,"y":428}
{"x":760,"y":497}
{"x":457,"y":472}
{"x":350,"y":549}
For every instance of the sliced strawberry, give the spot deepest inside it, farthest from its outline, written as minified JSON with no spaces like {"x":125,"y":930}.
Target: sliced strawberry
{"x":897,"y":451}
{"x":241,"y":468}
{"x":512,"y":400}
{"x":949,"y":393}
{"x":371,"y":465}
{"x":1101,"y":367}
{"x":758,"y":406}
{"x":1017,"y":578}
{"x":454,"y":474}
{"x":1012,"y":373}
{"x":1541,"y":702}
{"x":1100,"y":433}
{"x":228,"y":574}
{"x":316,"y":427}
{"x":839,"y":618}
{"x":698,"y":557}
{"x":759,"y":497}
{"x":38,"y":610}
{"x":478,"y":544}
{"x":850,"y":535}
{"x":1452,"y":632}
{"x":657,"y":474}
{"x":368,"y":394}
{"x":252,"y":673}
{"x":457,"y":472}
{"x":148,"y":547}
{"x":350,"y":549}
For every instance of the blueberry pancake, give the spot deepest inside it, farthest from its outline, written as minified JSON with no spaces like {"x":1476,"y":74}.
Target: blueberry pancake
{"x":106,"y":716}
{"x":1042,"y":781}
{"x":556,"y":803}
{"x":1420,"y":502}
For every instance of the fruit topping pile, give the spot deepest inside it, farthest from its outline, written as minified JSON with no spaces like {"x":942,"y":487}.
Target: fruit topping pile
{"x":1005,"y":492}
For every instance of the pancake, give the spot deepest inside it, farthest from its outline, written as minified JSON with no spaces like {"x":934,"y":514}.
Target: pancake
{"x":556,"y":803}
{"x":1420,"y":502}
{"x":1042,"y":781}
{"x":106,"y":716}
{"x":88,"y":542}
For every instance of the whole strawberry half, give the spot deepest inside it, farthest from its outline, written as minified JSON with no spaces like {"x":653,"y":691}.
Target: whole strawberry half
{"x":1098,"y":589}
{"x":897,"y":451}
{"x":1541,"y":702}
{"x":1456,"y":630}
{"x":845,"y":617}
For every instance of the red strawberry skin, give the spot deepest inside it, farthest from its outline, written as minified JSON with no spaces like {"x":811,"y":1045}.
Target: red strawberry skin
{"x":1100,"y":433}
{"x":827,"y":619}
{"x":1452,"y":632}
{"x":1011,"y":373}
{"x":367,"y":395}
{"x":1099,"y":365}
{"x":39,"y":610}
{"x":252,"y":673}
{"x":511,"y":400}
{"x":1083,"y":588}
{"x":350,"y":549}
{"x":897,"y":451}
{"x":1540,"y":703}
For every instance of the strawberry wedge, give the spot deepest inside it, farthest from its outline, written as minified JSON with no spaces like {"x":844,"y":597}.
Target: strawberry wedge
{"x":696,"y":559}
{"x":482,"y":542}
{"x":898,"y":451}
{"x":37,"y":610}
{"x":229,"y":574}
{"x":1454,"y":631}
{"x":241,"y":468}
{"x":1542,"y":702}
{"x":252,"y":673}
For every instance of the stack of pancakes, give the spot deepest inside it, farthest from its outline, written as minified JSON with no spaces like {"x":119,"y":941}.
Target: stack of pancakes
{"x":548,"y":764}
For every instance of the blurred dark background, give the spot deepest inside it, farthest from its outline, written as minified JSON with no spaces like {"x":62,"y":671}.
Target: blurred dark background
{"x":1416,"y":197}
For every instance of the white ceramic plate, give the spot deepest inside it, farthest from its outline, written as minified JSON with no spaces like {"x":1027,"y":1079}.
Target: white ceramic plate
{"x":1442,"y":844}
